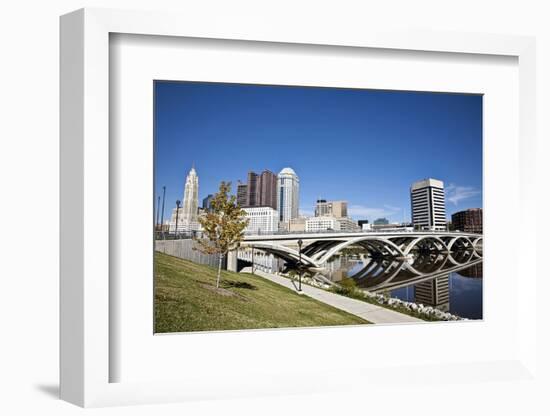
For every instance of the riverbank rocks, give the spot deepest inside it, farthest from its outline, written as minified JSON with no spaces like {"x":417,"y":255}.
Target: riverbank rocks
{"x":420,"y":310}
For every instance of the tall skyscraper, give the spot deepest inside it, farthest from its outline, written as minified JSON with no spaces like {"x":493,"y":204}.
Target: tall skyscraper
{"x":337,"y":209}
{"x":191,"y":197}
{"x":207,"y":203}
{"x":288,"y":188}
{"x":252,"y":190}
{"x":242,"y":192}
{"x":322,"y":208}
{"x":187,"y":215}
{"x":428,"y":205}
{"x":268,"y":189}
{"x":259,"y":191}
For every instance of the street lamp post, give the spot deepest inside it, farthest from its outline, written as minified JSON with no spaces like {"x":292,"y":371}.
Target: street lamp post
{"x":300,"y":242}
{"x":162,"y":213}
{"x":158,"y":209}
{"x":178,"y":203}
{"x":252,"y":259}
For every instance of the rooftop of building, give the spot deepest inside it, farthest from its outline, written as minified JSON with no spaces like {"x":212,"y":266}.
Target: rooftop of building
{"x":428,"y":182}
{"x":469,"y":210}
{"x":255,"y":207}
{"x":287,"y":171}
{"x":331,"y":201}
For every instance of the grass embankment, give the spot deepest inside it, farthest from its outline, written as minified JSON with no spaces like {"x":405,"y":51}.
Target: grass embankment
{"x":186,"y":299}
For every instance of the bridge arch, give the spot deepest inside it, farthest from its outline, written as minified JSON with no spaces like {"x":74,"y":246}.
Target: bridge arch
{"x":478,"y":251}
{"x":460,"y":244}
{"x":423,"y":264}
{"x":312,"y":250}
{"x":436,"y":241}
{"x":284,"y":252}
{"x":466,"y":242}
{"x":361,"y":240}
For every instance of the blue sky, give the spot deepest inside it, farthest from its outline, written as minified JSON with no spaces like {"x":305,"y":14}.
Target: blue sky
{"x":363,"y":146}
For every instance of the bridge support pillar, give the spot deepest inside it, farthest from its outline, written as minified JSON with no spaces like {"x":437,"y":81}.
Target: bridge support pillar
{"x":232,"y":261}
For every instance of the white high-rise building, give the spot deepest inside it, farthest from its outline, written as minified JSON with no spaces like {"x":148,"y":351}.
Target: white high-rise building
{"x":288,"y":195}
{"x":187,"y":217}
{"x":191,"y":196}
{"x":428,"y":205}
{"x":261,"y":220}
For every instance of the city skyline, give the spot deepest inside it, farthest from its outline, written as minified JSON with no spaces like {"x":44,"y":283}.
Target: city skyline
{"x":219,"y":129}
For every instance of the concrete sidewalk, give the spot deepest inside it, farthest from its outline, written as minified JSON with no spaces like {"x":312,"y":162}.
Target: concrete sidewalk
{"x":372,"y":313}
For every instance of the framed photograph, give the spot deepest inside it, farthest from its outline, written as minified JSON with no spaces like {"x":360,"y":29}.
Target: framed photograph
{"x":233,"y":204}
{"x":409,"y":249}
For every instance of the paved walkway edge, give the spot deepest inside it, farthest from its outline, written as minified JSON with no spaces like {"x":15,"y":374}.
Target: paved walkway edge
{"x":372,"y":313}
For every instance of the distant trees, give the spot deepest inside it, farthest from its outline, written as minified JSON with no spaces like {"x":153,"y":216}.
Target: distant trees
{"x":223,"y":226}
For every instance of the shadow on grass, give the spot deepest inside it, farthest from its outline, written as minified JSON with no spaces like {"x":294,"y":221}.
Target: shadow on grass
{"x":239,"y":285}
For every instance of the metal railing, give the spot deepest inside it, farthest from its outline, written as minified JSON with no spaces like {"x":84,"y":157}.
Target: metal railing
{"x":374,"y":231}
{"x":183,"y":235}
{"x":165,"y":235}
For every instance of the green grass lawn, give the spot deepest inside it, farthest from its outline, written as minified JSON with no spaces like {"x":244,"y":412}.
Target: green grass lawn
{"x":186,"y":299}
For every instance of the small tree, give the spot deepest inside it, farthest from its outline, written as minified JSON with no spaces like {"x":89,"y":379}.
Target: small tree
{"x":223,"y":226}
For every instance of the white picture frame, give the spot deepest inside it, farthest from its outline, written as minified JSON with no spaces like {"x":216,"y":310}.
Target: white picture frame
{"x":86,"y":356}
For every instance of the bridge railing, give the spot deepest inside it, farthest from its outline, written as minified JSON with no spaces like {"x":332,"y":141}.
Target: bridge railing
{"x":182,"y":235}
{"x":165,"y":235}
{"x":376,"y":231}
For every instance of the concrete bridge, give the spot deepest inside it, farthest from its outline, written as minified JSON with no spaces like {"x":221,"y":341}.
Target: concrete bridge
{"x":318,"y":248}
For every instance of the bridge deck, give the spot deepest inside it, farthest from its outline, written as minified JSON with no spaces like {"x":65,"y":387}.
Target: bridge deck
{"x":346,"y":235}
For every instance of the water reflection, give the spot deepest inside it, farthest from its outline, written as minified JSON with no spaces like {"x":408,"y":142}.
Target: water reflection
{"x":451,"y":282}
{"x":454,"y":293}
{"x":434,"y":292}
{"x":475,"y":271}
